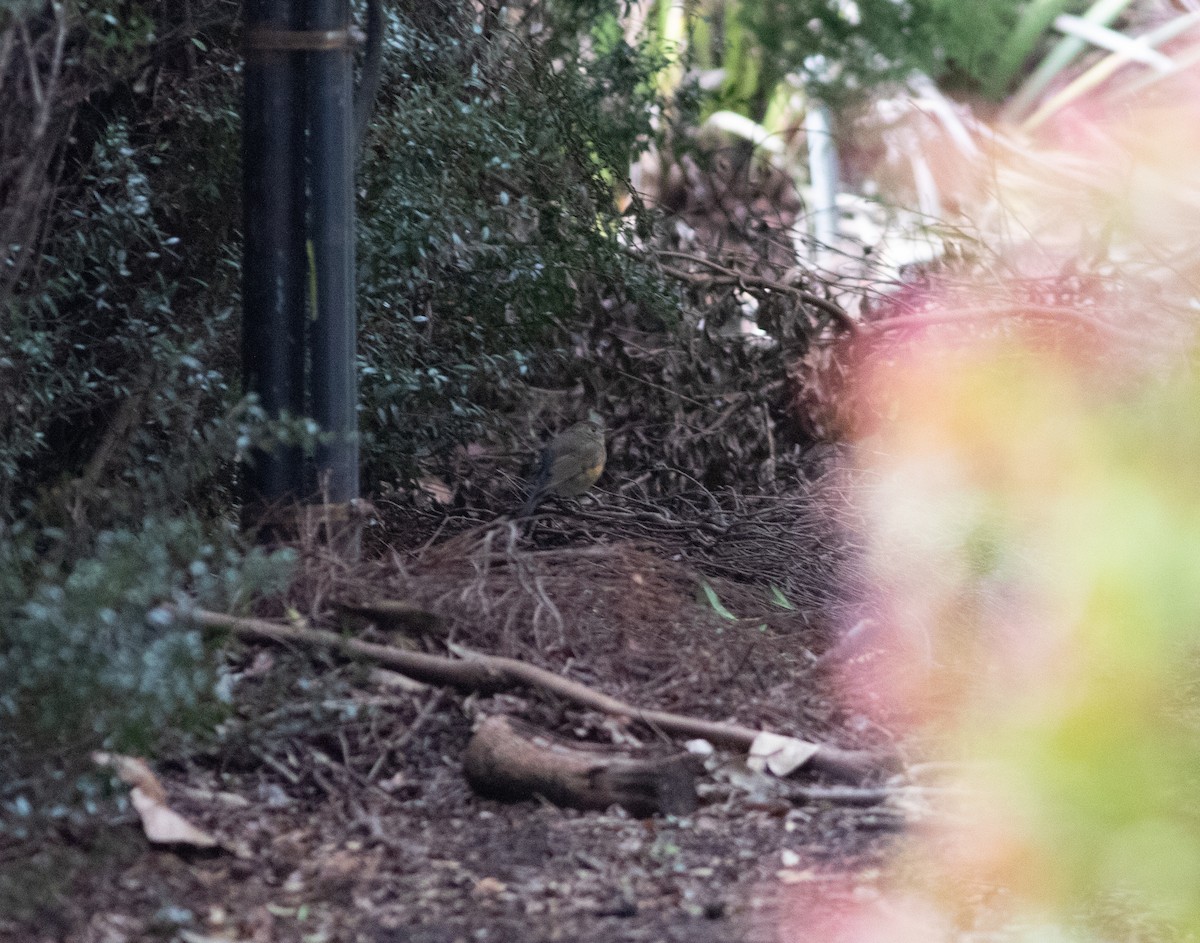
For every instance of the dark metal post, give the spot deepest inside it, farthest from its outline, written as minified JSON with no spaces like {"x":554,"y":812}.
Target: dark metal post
{"x":331,"y":169}
{"x":273,"y":287}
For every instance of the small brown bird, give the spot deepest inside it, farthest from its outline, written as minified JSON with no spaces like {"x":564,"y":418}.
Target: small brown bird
{"x":569,"y":465}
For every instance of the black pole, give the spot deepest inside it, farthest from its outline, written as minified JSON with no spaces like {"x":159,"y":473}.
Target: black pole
{"x":331,"y":168}
{"x":273,"y":266}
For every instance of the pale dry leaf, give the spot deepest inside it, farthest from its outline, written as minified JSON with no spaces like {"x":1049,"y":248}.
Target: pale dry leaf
{"x":394,"y":679}
{"x":436,"y":489}
{"x":190,"y":936}
{"x":778,"y":754}
{"x":699,"y":747}
{"x":164,"y":826}
{"x":488,"y":887}
{"x":262,"y":664}
{"x":160,"y":823}
{"x":132,"y":771}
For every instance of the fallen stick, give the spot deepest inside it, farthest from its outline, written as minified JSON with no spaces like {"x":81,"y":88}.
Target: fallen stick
{"x":474,"y":671}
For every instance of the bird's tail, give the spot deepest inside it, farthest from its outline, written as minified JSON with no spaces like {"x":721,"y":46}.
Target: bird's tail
{"x":536,"y":497}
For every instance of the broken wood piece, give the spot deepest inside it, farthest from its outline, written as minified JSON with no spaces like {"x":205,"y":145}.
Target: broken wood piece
{"x":397,"y":681}
{"x":510,"y":760}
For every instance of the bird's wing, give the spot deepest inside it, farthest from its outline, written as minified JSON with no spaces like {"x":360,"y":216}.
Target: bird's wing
{"x":575,"y":471}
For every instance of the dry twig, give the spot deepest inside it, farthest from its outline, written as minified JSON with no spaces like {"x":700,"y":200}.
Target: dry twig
{"x":722,"y":275}
{"x":479,"y":672}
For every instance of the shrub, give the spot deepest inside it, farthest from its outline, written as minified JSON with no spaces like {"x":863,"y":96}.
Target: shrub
{"x":488,"y":223}
{"x":119,"y":422}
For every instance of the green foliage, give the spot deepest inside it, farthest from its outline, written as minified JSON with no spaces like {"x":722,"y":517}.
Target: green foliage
{"x":841,"y":50}
{"x":489,"y":232}
{"x":714,"y":601}
{"x":780,"y":600}
{"x":117,"y":32}
{"x":1065,"y":560}
{"x":1035,"y":18}
{"x":119,"y":423}
{"x":92,"y":658}
{"x":487,"y":215}
{"x":129,"y":320}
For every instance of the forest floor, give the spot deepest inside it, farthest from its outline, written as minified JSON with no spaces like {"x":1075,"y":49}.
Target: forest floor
{"x":420,"y":859}
{"x":342,"y":813}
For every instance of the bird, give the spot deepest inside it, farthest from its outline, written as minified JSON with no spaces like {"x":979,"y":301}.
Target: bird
{"x":569,"y":465}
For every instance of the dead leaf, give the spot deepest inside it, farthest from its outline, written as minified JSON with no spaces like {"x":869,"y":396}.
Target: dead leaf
{"x":488,"y":887}
{"x":164,"y":826}
{"x":190,"y":936}
{"x":160,"y":823}
{"x":393,"y":679}
{"x":436,"y":489}
{"x":263,"y":663}
{"x":778,"y":754}
{"x":340,"y":871}
{"x":132,"y":771}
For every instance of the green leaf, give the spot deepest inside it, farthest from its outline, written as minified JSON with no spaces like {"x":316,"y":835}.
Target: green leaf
{"x":781,"y":600}
{"x":710,"y":595}
{"x":1033,"y":23}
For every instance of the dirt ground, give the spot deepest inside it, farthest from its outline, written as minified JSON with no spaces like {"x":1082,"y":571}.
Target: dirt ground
{"x":342,"y":812}
{"x":418,"y":858}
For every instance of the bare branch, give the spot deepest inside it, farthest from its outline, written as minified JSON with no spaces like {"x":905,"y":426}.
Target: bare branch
{"x":6,"y":48}
{"x":479,"y":672}
{"x":999,"y":312}
{"x":35,"y":81}
{"x":55,"y":72}
{"x":727,"y":276}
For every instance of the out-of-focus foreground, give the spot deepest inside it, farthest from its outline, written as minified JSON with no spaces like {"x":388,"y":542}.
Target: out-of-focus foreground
{"x":1036,"y":543}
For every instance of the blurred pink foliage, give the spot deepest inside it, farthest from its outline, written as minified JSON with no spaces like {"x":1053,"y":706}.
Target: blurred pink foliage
{"x":1036,"y":524}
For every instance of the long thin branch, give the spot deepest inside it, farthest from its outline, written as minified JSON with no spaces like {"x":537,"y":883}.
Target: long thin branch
{"x":35,"y":83}
{"x":999,"y":312}
{"x":479,"y":672}
{"x":745,"y":280}
{"x":728,"y":276}
{"x":55,"y":71}
{"x":6,"y":47}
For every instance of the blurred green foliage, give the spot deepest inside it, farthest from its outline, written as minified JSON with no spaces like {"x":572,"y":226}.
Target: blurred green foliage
{"x":1058,"y":508}
{"x":1113,"y":766}
{"x":92,"y":658}
{"x":841,"y":50}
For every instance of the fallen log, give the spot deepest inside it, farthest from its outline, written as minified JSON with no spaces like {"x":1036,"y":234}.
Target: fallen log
{"x":510,"y":760}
